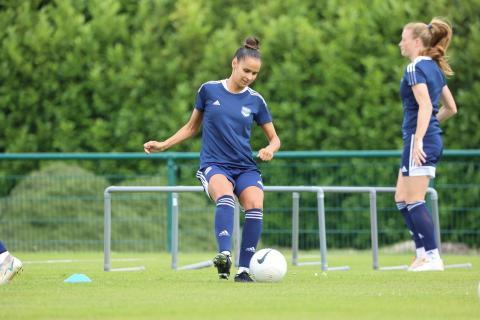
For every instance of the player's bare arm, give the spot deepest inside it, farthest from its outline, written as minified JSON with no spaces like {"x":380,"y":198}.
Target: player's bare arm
{"x":266,"y":154}
{"x":186,"y":132}
{"x":449,"y":107}
{"x":424,"y":113}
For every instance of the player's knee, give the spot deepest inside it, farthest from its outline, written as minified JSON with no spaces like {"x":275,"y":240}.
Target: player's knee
{"x":414,"y":199}
{"x":399,"y":197}
{"x":253,"y":204}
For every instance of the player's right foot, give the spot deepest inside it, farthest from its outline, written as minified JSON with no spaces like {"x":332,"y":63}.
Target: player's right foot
{"x":243,"y":277}
{"x":9,"y":268}
{"x":223,"y":263}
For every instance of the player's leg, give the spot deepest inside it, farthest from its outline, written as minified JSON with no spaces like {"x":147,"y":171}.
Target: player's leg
{"x":416,"y":185}
{"x":219,"y":186}
{"x":9,"y":265}
{"x":400,"y":200}
{"x":250,"y":189}
{"x":423,"y":223}
{"x":221,"y":190}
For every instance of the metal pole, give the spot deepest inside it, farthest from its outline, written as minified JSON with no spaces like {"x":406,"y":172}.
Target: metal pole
{"x":174,"y":230}
{"x":171,"y":178}
{"x":107,"y":230}
{"x":321,"y":229}
{"x":374,"y":227}
{"x":295,"y":226}
{"x":435,"y":217}
{"x":236,"y":233}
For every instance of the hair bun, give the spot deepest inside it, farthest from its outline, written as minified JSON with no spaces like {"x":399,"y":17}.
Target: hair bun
{"x":252,"y":43}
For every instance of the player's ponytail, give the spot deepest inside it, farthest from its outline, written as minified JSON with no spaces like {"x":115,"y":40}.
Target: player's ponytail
{"x":250,"y":48}
{"x":440,"y":33}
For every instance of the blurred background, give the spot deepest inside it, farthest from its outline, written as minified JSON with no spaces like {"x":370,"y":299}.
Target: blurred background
{"x":84,"y":83}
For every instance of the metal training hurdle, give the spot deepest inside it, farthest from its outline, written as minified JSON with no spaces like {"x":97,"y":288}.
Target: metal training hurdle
{"x":320,"y":191}
{"x":372,"y":191}
{"x":175,"y":213}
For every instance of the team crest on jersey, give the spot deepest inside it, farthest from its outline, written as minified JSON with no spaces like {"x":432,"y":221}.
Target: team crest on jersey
{"x":246,"y":111}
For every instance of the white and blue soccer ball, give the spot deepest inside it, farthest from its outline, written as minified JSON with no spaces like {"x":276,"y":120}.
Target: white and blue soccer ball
{"x":268,"y":265}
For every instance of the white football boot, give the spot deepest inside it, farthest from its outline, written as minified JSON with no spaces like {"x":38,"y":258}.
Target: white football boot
{"x":429,"y":263}
{"x":9,"y":268}
{"x":416,"y":262}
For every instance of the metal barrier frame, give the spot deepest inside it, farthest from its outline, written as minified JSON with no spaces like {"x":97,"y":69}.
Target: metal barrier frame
{"x":175,"y":212}
{"x":295,"y":190}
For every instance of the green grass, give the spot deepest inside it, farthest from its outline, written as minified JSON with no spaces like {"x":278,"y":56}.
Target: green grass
{"x":305,"y":293}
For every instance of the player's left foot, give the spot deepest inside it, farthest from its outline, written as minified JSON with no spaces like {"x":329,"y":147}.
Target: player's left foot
{"x":9,"y":268}
{"x":416,"y":262}
{"x":243,"y":277}
{"x":430,"y":264}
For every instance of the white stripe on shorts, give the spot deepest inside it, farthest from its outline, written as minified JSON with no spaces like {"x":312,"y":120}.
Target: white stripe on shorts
{"x":204,"y":182}
{"x":416,"y":171}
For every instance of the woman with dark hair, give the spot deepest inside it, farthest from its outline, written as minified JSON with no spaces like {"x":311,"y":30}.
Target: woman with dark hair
{"x":228,"y":108}
{"x":427,"y":101}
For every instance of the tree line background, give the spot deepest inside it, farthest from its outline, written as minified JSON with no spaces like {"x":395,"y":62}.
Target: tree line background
{"x":102,"y":76}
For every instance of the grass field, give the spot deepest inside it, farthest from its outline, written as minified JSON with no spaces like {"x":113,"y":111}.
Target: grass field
{"x":305,"y":293}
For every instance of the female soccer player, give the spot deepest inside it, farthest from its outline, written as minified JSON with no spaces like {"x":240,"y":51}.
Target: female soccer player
{"x":9,"y":265}
{"x":427,"y":100}
{"x":228,"y":108}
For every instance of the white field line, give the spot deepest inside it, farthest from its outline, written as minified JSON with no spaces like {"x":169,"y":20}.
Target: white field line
{"x":77,"y":260}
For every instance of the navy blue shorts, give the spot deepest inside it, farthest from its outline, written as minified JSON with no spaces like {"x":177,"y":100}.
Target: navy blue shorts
{"x":433,"y":148}
{"x":240,"y":178}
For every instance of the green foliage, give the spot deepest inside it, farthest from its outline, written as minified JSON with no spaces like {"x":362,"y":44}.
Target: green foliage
{"x":81,"y":76}
{"x":63,"y":205}
{"x":68,"y":210}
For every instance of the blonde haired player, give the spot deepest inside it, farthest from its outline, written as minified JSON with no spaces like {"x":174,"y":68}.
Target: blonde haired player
{"x":427,"y":101}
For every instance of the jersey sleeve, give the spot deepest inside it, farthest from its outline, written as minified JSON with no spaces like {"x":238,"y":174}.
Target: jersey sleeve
{"x":415,"y":75}
{"x":263,"y":115}
{"x":200,"y":99}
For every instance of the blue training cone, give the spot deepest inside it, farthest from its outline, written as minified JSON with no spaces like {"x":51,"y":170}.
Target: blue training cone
{"x":77,"y":277}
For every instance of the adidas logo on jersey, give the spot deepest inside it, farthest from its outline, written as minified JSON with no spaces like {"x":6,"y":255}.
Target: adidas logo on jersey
{"x":404,"y":169}
{"x":216,"y":103}
{"x":224,"y":233}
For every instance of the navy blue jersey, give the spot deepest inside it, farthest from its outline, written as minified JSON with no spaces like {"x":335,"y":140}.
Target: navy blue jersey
{"x":421,"y":70}
{"x":227,"y":124}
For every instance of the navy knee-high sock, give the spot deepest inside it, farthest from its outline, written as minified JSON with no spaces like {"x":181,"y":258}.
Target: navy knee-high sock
{"x":2,"y":247}
{"x":252,"y":230}
{"x":224,"y":222}
{"x":407,"y":217}
{"x":423,"y":224}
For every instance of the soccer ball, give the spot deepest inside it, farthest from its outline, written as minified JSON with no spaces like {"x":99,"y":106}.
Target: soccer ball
{"x":268,"y":265}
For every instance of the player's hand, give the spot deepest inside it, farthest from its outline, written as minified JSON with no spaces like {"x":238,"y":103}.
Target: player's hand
{"x":265,"y":154}
{"x":419,"y":156}
{"x":154,"y":146}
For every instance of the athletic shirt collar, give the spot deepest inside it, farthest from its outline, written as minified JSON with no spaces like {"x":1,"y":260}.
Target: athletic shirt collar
{"x":420,"y":58}
{"x":224,"y":84}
